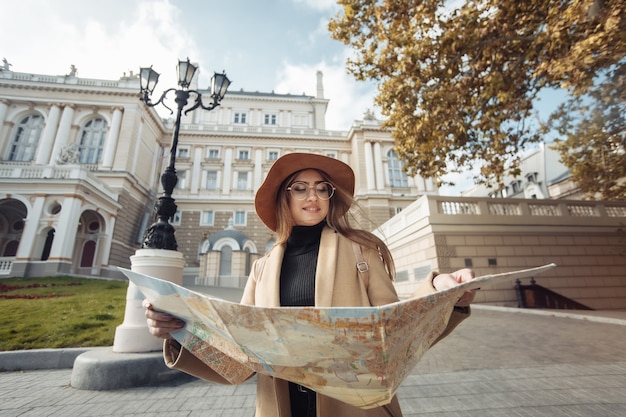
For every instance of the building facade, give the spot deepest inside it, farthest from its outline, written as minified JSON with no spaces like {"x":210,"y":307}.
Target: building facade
{"x":80,"y":162}
{"x":542,"y":176}
{"x":586,"y":241}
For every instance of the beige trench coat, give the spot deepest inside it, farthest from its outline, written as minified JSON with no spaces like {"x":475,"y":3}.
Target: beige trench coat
{"x":337,"y":283}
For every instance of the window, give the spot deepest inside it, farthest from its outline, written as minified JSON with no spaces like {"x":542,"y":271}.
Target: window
{"x":211,"y":180}
{"x":183,"y":152}
{"x":176,"y":218}
{"x":516,"y":186}
{"x":26,"y":138}
{"x":242,"y":180}
{"x":214,"y":154}
{"x":421,"y":272}
{"x":240,"y":218}
{"x":531,"y":177}
{"x":226,"y":259}
{"x":240,"y":118}
{"x":244,"y":155}
{"x":92,"y":139}
{"x":270,"y":119}
{"x":300,"y":120}
{"x":182,"y":180}
{"x":402,"y":276}
{"x":272,"y":155}
{"x":207,"y":218}
{"x":397,"y":177}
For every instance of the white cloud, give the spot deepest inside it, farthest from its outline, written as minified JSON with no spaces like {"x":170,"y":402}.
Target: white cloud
{"x":151,"y":33}
{"x":319,"y":5}
{"x":49,"y":36}
{"x":348,"y":99}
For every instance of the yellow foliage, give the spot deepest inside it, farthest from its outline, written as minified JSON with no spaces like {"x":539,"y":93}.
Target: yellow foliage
{"x":458,"y":86}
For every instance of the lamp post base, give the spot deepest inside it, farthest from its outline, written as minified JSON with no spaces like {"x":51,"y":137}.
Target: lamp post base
{"x":136,"y":358}
{"x":133,"y":335}
{"x":102,"y":369}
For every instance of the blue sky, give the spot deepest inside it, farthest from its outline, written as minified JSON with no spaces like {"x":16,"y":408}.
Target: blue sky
{"x":268,"y":45}
{"x":263,"y":45}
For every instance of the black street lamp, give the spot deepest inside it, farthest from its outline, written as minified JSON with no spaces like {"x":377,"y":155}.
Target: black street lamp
{"x":160,"y":235}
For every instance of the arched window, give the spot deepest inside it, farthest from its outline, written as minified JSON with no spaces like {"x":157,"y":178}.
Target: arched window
{"x":88,"y":255}
{"x":397,"y":177}
{"x":92,"y":138}
{"x":11,"y":248}
{"x":26,"y":137}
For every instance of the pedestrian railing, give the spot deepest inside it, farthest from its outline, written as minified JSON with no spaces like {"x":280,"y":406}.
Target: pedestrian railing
{"x":536,"y":296}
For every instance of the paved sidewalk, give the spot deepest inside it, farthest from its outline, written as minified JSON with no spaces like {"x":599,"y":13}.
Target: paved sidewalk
{"x":500,"y":362}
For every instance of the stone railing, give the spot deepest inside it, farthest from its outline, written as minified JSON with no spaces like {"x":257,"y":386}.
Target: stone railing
{"x":5,"y":265}
{"x":263,"y":130}
{"x":585,"y":239}
{"x":62,"y":172}
{"x":439,"y":213}
{"x":126,"y":83}
{"x":535,"y":208}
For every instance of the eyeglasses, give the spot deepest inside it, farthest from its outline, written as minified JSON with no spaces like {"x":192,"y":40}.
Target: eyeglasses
{"x":300,"y":190}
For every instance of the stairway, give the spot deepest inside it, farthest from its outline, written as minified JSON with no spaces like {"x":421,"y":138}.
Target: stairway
{"x":536,"y":296}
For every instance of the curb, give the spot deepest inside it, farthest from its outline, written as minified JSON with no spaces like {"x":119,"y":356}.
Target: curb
{"x":579,"y":315}
{"x":35,"y":359}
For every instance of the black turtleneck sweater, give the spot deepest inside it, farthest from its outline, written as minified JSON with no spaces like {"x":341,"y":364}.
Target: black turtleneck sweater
{"x":297,"y":288}
{"x":297,"y":276}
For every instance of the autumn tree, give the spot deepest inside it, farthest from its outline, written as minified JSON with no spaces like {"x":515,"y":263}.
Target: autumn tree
{"x":592,"y":144}
{"x":458,"y":81}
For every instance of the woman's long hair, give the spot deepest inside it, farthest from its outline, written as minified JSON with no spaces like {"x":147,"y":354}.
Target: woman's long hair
{"x":340,"y":205}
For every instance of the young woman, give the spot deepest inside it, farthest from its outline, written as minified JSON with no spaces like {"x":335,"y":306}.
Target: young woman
{"x":305,"y":200}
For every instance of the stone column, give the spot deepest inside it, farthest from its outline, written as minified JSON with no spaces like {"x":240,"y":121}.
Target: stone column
{"x":228,"y":170}
{"x":378,"y":167}
{"x":104,"y":240}
{"x":196,"y":170}
{"x":258,"y":168}
{"x":65,"y":230}
{"x":4,"y":105}
{"x":110,"y":146}
{"x":63,"y":133}
{"x":47,"y":137}
{"x":369,"y":168}
{"x":29,"y":233}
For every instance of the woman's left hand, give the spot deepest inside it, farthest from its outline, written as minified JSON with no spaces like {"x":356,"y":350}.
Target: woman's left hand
{"x":445,"y":281}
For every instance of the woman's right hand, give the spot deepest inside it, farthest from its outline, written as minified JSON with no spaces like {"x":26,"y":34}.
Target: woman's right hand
{"x":161,"y":324}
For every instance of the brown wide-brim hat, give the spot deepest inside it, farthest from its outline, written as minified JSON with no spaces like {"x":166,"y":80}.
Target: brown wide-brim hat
{"x":339,"y":173}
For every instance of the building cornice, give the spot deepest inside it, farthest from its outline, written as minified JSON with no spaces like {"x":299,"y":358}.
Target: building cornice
{"x":68,"y":84}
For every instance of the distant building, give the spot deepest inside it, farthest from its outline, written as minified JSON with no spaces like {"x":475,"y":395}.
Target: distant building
{"x":80,"y":162}
{"x":542,"y":176}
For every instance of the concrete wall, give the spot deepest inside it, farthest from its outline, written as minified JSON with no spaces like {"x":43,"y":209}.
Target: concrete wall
{"x":586,"y":240}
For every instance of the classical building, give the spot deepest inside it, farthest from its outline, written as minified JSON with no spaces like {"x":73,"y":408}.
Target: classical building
{"x":586,"y":241}
{"x":542,"y":176}
{"x":80,"y":162}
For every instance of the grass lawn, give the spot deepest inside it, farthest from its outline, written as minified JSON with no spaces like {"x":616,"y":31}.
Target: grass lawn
{"x":59,"y":312}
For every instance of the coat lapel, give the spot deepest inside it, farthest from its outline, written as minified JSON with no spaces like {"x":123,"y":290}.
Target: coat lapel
{"x":325,"y":274}
{"x":269,"y":291}
{"x":268,"y":286}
